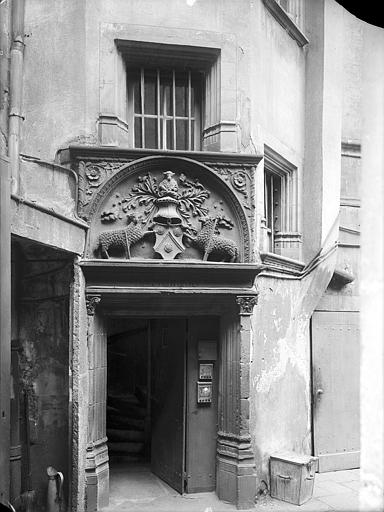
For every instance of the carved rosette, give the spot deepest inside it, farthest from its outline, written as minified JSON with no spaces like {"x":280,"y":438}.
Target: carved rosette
{"x":246,"y":304}
{"x":239,"y":178}
{"x":92,"y":175}
{"x":91,"y":302}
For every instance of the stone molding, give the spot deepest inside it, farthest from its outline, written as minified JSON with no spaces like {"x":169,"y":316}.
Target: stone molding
{"x":286,"y":22}
{"x":351,"y":148}
{"x":281,"y":264}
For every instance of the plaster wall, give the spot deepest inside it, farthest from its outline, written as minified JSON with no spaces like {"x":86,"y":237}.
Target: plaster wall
{"x":274,"y":66}
{"x":280,"y":413}
{"x":54,"y":76}
{"x":352,"y":78}
{"x":372,"y":278}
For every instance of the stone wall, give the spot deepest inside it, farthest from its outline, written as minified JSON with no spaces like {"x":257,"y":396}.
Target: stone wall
{"x":44,"y":354}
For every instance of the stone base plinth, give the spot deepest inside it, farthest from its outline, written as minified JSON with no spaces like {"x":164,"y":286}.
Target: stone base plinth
{"x":236,"y":476}
{"x":97,"y":477}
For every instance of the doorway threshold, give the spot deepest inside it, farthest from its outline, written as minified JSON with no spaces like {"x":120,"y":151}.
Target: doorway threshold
{"x":132,"y":485}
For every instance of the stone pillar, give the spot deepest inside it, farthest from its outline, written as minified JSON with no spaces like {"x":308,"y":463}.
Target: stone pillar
{"x":97,"y":468}
{"x":236,"y":478}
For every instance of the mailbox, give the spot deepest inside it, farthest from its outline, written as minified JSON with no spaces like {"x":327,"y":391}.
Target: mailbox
{"x":204,"y":392}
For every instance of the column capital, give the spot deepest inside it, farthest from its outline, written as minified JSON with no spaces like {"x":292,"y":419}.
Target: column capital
{"x":246,"y":303}
{"x":91,"y":302}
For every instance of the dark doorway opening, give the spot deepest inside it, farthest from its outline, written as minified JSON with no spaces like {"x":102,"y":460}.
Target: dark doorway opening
{"x":155,"y":424}
{"x":128,"y":400}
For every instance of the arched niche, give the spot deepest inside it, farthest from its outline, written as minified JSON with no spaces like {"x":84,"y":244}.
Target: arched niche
{"x":170,"y":208}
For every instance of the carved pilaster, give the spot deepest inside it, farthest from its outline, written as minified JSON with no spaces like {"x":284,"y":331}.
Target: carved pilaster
{"x":236,"y":464}
{"x":97,"y":468}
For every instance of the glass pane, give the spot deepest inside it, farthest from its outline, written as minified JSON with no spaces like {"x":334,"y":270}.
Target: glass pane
{"x":181,"y":92}
{"x":162,"y":145}
{"x":193,"y":113}
{"x":150,"y":129}
{"x":136,"y":92}
{"x":193,"y":145}
{"x":166,"y":103}
{"x":138,"y":141}
{"x":277,"y":203}
{"x":169,"y":135}
{"x":150,"y":92}
{"x":181,"y":134}
{"x":268,"y":199}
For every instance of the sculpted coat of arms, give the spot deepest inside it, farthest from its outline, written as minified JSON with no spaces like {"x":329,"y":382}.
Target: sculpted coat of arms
{"x":172,"y":215}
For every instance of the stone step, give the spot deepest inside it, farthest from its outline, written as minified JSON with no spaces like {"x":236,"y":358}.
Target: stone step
{"x":132,"y":411}
{"x":124,"y":459}
{"x":125,"y":448}
{"x":115,"y":434}
{"x":121,"y":422}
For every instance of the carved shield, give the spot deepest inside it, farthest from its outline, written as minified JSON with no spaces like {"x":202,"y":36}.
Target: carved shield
{"x":168,"y":241}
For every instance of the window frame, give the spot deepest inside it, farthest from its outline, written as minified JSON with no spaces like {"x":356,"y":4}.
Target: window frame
{"x":282,"y":234}
{"x":203,"y":61}
{"x":293,"y":9}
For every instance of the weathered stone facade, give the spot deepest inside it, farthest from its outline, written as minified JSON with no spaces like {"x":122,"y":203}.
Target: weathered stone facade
{"x":100,"y":227}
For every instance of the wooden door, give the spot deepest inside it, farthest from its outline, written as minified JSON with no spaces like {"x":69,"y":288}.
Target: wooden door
{"x":335,"y":377}
{"x":168,"y":340}
{"x":201,"y":418}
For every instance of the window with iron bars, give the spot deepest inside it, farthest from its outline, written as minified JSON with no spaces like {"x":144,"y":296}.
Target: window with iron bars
{"x":165,"y":106}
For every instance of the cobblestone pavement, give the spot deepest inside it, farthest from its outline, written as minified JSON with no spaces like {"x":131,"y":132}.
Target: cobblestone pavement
{"x":139,"y":490}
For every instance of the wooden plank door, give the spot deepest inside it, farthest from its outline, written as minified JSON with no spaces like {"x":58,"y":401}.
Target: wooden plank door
{"x":168,"y":340}
{"x":201,"y":420}
{"x":335,"y":377}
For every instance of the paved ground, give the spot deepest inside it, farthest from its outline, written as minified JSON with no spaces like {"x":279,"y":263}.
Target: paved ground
{"x":139,"y":490}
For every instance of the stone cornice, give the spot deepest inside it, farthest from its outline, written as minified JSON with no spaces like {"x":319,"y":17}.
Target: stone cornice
{"x":286,"y":22}
{"x":154,"y":276}
{"x":281,"y":264}
{"x":80,"y":151}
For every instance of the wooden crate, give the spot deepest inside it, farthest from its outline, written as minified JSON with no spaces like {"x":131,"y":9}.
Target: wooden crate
{"x":292,"y":477}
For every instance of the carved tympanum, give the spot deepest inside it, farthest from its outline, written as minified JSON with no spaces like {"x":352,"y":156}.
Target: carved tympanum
{"x":169,"y":216}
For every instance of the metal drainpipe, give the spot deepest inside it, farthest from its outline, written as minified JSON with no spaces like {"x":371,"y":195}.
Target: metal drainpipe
{"x":16,"y":91}
{"x":9,"y":166}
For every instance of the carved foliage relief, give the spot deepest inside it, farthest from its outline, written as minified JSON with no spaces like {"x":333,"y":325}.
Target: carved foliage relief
{"x":164,"y":213}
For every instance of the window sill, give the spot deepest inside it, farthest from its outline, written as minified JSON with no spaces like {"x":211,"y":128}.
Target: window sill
{"x":281,"y":264}
{"x":286,"y":22}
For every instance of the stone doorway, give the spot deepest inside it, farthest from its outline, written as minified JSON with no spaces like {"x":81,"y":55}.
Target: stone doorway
{"x":233,"y":475}
{"x":157,"y":419}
